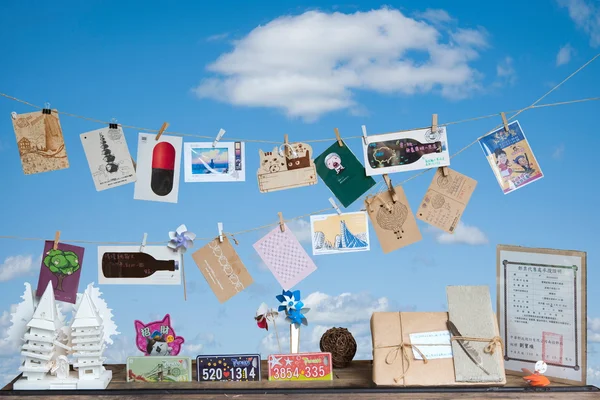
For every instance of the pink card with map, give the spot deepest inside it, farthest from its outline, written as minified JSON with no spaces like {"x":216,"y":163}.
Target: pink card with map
{"x":283,"y":254}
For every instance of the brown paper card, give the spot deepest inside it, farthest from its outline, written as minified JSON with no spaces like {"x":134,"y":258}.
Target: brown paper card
{"x":222,"y":268}
{"x":388,"y":329}
{"x":40,"y":142}
{"x":446,"y":200}
{"x":279,"y":172}
{"x":470,"y":309}
{"x":394,"y":223}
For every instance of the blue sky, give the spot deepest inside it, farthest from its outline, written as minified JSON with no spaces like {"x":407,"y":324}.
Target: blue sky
{"x":144,"y":63}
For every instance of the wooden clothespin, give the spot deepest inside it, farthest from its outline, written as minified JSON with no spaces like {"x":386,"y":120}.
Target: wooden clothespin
{"x":56,"y":240}
{"x":143,"y":243}
{"x":164,"y":126}
{"x":220,"y":227}
{"x":219,"y":136}
{"x":364,"y":130}
{"x":339,"y":138}
{"x":285,"y":144}
{"x":434,"y":123}
{"x":391,"y":189}
{"x":504,"y":121}
{"x":333,"y":203}
{"x":281,"y":222}
{"x":444,"y":171}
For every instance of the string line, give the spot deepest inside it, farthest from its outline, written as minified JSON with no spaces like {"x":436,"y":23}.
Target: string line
{"x":377,"y":187}
{"x":183,"y":134}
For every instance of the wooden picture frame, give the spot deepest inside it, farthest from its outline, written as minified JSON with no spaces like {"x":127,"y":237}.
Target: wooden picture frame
{"x":534,"y":287}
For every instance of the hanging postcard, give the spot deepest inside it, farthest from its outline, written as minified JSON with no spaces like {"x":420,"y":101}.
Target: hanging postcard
{"x":126,"y":265}
{"x":40,"y":141}
{"x":542,"y":311}
{"x":286,"y":167}
{"x":393,"y":221}
{"x":285,"y":257}
{"x":226,"y":162}
{"x":158,"y":168}
{"x":343,"y":173}
{"x":63,"y":267}
{"x":446,"y":199}
{"x":406,"y":151}
{"x":339,"y":233}
{"x":108,"y":157}
{"x":222,"y":268}
{"x":511,"y":157}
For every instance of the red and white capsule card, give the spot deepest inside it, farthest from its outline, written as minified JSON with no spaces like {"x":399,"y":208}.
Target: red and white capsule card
{"x":300,"y":367}
{"x":158,"y":168}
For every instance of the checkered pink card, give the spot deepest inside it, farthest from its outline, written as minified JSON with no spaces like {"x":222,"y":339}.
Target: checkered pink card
{"x":285,"y":257}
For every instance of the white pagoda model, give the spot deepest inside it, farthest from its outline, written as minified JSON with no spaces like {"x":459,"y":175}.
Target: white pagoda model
{"x":48,"y":342}
{"x":38,"y":349}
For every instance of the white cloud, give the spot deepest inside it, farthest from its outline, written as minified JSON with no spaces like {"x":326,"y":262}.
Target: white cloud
{"x":559,"y":151}
{"x":122,"y":347}
{"x":465,"y":234}
{"x":9,"y":369}
{"x":593,"y":326}
{"x":564,"y":55}
{"x":16,"y":266}
{"x":593,"y":376}
{"x":311,"y":64}
{"x":505,"y":72}
{"x":198,"y":345}
{"x":343,"y":309}
{"x":435,"y":16}
{"x":220,"y":36}
{"x":586,"y":15}
{"x":301,"y":229}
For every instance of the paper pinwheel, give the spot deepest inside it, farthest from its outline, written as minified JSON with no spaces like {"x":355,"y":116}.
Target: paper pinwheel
{"x":179,"y":241}
{"x":262,"y":316}
{"x":293,"y":307}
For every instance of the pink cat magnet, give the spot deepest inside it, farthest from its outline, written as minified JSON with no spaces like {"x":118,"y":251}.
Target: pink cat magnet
{"x":157,"y":338}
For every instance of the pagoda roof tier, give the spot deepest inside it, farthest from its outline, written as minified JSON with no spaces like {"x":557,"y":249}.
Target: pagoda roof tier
{"x":41,"y":368}
{"x":96,"y":363}
{"x":87,"y":339}
{"x":45,"y":339}
{"x":88,"y":348}
{"x":31,"y":346}
{"x":85,"y":354}
{"x":36,"y":356}
{"x":86,"y":315}
{"x":99,"y":332}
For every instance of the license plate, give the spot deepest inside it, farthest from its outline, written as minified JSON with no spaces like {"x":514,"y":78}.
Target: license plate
{"x":230,"y":367}
{"x":300,"y":367}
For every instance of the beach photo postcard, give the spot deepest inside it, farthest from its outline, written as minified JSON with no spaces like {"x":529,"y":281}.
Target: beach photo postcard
{"x":223,"y":163}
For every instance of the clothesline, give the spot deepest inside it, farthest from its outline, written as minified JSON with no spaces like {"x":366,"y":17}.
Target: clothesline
{"x":376,"y":189}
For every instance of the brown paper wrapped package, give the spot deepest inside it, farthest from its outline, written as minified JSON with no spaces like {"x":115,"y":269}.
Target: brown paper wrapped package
{"x":389,"y":330}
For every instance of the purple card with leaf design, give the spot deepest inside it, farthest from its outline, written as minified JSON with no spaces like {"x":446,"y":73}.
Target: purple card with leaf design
{"x":63,"y":267}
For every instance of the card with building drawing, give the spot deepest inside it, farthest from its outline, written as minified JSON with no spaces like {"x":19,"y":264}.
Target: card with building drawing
{"x":226,"y":162}
{"x":340,"y":233}
{"x":108,"y":157}
{"x":40,"y":141}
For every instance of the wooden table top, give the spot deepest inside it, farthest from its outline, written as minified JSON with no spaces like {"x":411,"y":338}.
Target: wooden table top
{"x":353,"y":382}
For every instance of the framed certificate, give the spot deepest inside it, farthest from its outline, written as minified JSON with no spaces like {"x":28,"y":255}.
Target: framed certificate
{"x":542,"y":311}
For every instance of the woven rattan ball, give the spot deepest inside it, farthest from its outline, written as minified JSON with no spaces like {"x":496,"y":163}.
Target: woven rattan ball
{"x":341,"y":344}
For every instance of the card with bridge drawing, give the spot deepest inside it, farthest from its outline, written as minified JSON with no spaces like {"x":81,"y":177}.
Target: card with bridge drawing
{"x":286,"y":167}
{"x":393,"y":221}
{"x":339,"y":233}
{"x":226,"y":162}
{"x":446,"y":199}
{"x":222,"y":268}
{"x":108,"y":157}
